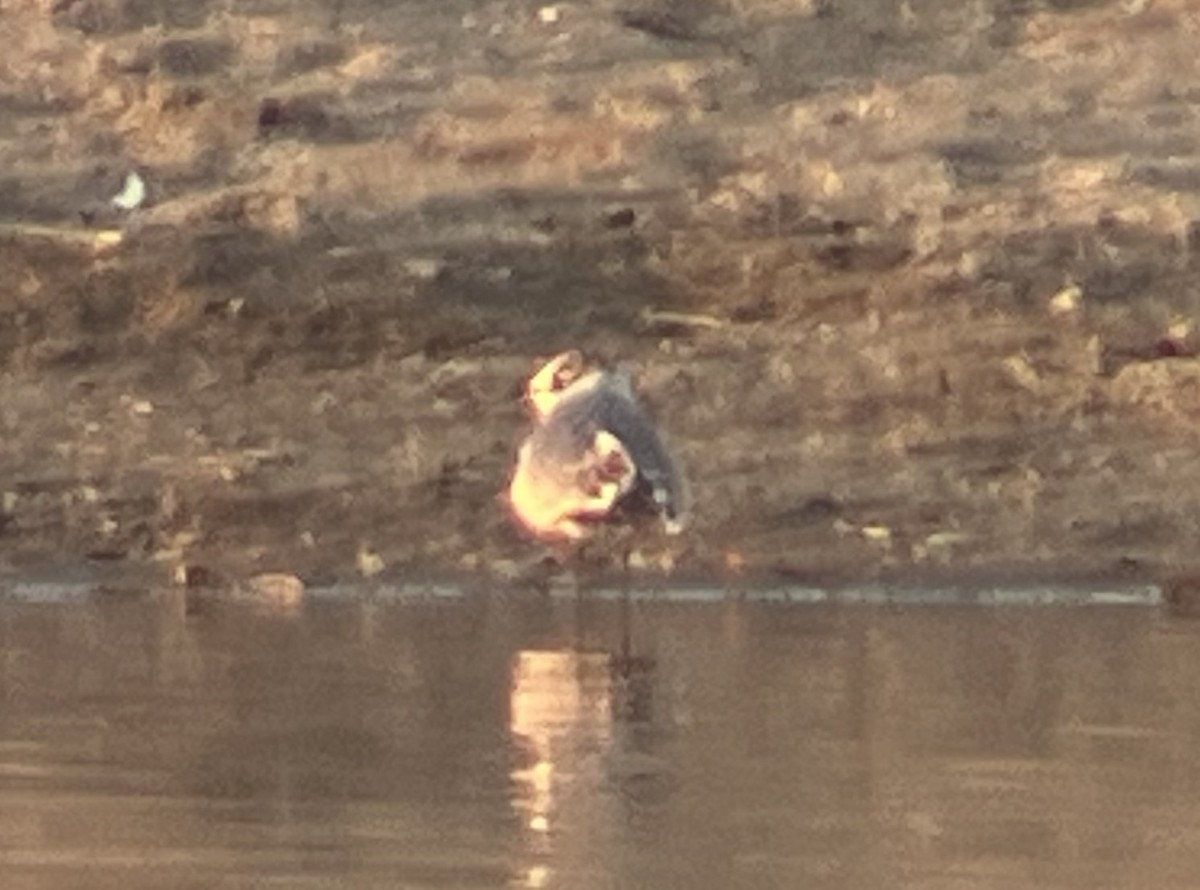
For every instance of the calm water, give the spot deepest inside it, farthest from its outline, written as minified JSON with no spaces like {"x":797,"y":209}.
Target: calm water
{"x":512,"y":741}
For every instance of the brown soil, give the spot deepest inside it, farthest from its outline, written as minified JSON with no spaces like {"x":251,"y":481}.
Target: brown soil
{"x":912,"y":284}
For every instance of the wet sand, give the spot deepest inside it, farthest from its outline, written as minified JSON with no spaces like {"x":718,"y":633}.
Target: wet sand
{"x":913,"y":285}
{"x":505,"y":740}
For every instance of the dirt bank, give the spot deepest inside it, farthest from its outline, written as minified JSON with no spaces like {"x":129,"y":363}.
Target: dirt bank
{"x":913,"y":285}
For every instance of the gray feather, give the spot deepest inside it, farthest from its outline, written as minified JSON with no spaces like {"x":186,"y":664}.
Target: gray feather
{"x":609,"y":405}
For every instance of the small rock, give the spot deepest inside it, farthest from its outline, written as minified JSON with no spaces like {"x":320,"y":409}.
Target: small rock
{"x":1181,"y":329}
{"x":276,"y":588}
{"x":880,"y":533}
{"x":132,"y":194}
{"x":1022,"y":373}
{"x":548,"y":15}
{"x":621,"y":219}
{"x":272,"y":112}
{"x":369,"y":563}
{"x":942,"y":540}
{"x":1066,"y":300}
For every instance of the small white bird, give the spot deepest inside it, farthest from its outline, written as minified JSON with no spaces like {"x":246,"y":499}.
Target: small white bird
{"x":591,"y":447}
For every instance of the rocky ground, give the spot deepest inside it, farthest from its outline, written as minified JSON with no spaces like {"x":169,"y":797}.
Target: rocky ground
{"x":912,"y":284}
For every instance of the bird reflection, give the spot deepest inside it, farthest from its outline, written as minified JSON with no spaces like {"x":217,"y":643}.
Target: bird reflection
{"x":566,"y":708}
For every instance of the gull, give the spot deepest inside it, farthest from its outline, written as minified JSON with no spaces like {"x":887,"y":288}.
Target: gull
{"x":592,"y":449}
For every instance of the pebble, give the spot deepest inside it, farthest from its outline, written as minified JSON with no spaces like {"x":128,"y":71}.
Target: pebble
{"x":277,"y":588}
{"x":880,"y":533}
{"x":1066,"y":300}
{"x":132,"y":193}
{"x":369,"y":563}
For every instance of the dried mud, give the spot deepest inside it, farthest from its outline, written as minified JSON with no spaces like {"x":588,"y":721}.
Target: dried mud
{"x":912,"y":285}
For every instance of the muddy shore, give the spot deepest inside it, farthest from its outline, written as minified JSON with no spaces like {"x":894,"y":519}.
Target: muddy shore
{"x":912,"y":286}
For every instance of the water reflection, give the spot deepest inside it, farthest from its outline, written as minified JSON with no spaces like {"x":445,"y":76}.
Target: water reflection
{"x":562,"y":715}
{"x":511,"y":741}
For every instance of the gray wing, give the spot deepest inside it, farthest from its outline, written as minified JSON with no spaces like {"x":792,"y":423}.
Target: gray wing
{"x":611,"y":407}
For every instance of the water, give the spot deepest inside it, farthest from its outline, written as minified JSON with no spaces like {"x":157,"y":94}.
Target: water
{"x":517,"y":741}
